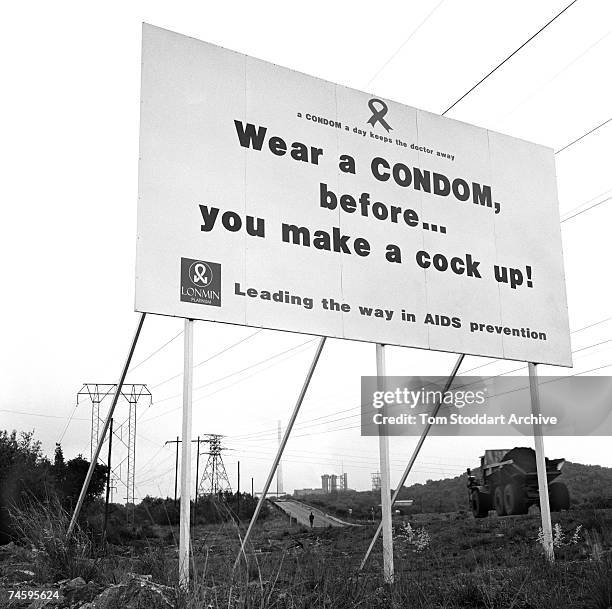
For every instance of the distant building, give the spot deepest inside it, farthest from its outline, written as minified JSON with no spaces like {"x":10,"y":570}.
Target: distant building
{"x":332,"y":483}
{"x":325,"y":485}
{"x":300,"y":492}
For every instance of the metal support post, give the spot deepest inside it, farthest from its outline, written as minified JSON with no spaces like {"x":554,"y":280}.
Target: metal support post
{"x":415,"y":453}
{"x":281,"y":448}
{"x":185,"y":512}
{"x":541,"y":464}
{"x":385,"y":475}
{"x":109,"y":416}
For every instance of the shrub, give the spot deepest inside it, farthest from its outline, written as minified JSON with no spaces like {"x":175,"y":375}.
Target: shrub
{"x":25,"y":475}
{"x":44,"y":527}
{"x":599,"y":586}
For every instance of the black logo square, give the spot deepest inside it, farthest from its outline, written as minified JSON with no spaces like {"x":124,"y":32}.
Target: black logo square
{"x":200,"y":282}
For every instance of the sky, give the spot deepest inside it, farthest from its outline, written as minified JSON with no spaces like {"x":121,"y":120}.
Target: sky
{"x":70,"y":120}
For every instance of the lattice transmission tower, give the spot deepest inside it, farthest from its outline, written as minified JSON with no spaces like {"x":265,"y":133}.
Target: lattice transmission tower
{"x":376,"y":483}
{"x":123,"y":468}
{"x":214,"y":479}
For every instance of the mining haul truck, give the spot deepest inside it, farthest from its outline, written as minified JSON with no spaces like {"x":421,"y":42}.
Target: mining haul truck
{"x":507,"y":482}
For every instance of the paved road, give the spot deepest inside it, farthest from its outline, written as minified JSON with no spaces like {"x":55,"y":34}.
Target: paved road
{"x":301,"y":511}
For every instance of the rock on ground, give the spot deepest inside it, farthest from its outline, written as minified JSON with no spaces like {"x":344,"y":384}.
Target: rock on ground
{"x":137,"y":592}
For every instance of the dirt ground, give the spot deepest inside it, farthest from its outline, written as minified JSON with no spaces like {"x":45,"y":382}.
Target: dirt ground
{"x":450,"y":561}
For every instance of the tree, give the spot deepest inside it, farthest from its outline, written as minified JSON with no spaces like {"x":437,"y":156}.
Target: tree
{"x":59,"y":465}
{"x":25,"y":476}
{"x":73,"y":477}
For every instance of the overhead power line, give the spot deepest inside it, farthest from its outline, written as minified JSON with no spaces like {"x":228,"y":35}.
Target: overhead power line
{"x":67,"y":424}
{"x":591,"y":325}
{"x":569,"y":212}
{"x":208,"y":359}
{"x":322,"y":431}
{"x":586,"y":209}
{"x":495,"y":361}
{"x":578,"y":139}
{"x":146,"y":359}
{"x":269,"y":433}
{"x":522,"y":367}
{"x":177,"y":395}
{"x":295,"y":350}
{"x":36,"y":414}
{"x":368,"y":462}
{"x":564,"y":69}
{"x":406,"y":41}
{"x":499,"y":65}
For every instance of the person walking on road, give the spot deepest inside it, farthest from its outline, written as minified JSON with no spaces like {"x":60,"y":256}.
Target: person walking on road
{"x":311,"y":518}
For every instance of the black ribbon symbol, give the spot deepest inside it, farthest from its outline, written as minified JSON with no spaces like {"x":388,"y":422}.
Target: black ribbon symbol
{"x":378,"y":116}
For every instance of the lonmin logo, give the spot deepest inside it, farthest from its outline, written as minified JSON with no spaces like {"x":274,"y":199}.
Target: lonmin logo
{"x":200,"y":282}
{"x":200,"y":274}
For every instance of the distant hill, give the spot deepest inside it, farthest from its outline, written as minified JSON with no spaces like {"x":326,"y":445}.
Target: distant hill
{"x":589,"y":486}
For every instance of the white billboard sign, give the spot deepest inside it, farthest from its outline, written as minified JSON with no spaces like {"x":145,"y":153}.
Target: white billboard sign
{"x":273,"y":199}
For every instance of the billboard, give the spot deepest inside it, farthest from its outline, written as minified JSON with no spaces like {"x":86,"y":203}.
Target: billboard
{"x":273,"y":199}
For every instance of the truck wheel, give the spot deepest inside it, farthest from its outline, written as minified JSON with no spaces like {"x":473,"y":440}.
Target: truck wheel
{"x":514,"y":499}
{"x":498,"y":501}
{"x":558,"y":496}
{"x":481,"y":503}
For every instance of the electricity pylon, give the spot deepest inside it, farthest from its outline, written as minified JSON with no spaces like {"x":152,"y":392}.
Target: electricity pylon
{"x":214,"y":479}
{"x":125,"y":470}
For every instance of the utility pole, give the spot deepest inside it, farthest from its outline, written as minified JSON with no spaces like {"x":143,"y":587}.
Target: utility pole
{"x":238,"y":509}
{"x":177,"y":441}
{"x":197,"y":478}
{"x":197,"y":468}
{"x":108,"y":480}
{"x":252,"y":487}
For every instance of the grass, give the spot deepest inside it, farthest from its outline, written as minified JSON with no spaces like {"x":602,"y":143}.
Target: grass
{"x":493,"y":563}
{"x":43,"y":528}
